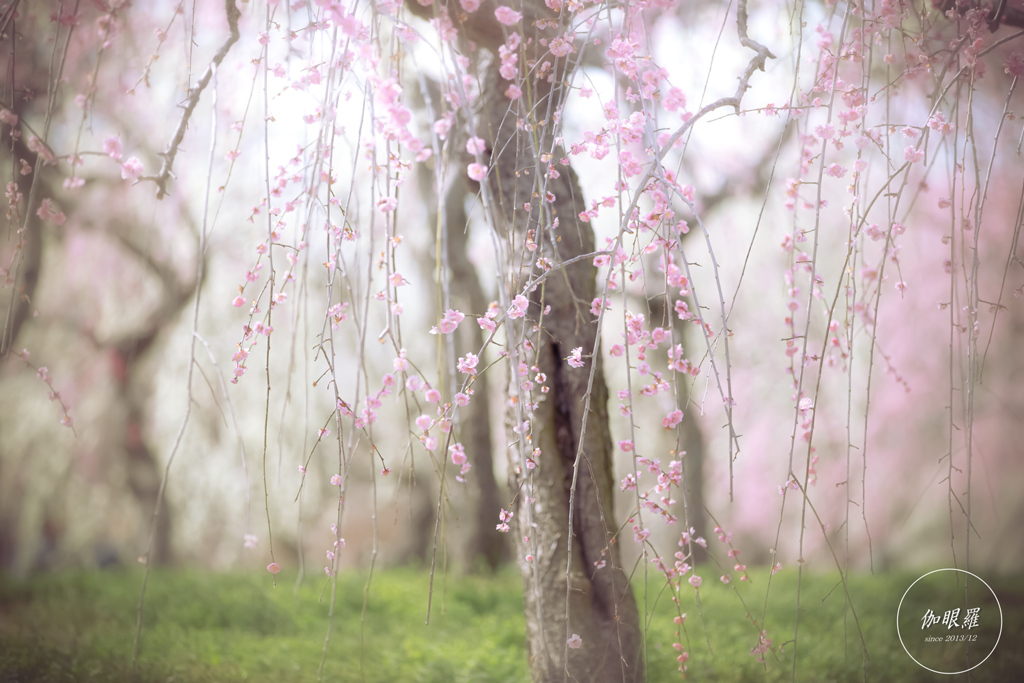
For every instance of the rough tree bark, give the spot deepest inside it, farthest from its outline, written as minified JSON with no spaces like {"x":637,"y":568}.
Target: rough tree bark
{"x":601,"y":608}
{"x":589,"y":595}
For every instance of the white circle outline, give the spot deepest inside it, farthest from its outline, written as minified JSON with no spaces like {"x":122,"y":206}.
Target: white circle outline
{"x":998,"y":637}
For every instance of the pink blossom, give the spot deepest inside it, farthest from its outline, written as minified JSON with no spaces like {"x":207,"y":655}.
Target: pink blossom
{"x":273,"y":568}
{"x":507,"y":15}
{"x":518,"y":307}
{"x":562,"y":45}
{"x":575,"y":359}
{"x":441,"y":127}
{"x":250,"y":541}
{"x":626,"y":446}
{"x":939,"y":124}
{"x":458,"y":453}
{"x":574,"y":641}
{"x":675,"y":100}
{"x":335,"y":480}
{"x":468,"y":363}
{"x":682,"y":310}
{"x":1014,"y":65}
{"x":672,"y":420}
{"x":629,"y":164}
{"x":387,"y":204}
{"x":513,"y":92}
{"x":48,"y":211}
{"x":112,"y":148}
{"x":836,"y":171}
{"x":476,"y":145}
{"x":913,"y":155}
{"x":470,"y":5}
{"x":509,"y":59}
{"x":131,"y":169}
{"x":432,"y":395}
{"x":40,"y":148}
{"x":450,"y":321}
{"x":423,"y":422}
{"x":477,"y":171}
{"x":695,"y":581}
{"x":238,"y":301}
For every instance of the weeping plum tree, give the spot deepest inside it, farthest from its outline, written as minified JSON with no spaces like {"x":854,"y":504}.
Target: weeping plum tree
{"x":577,"y":152}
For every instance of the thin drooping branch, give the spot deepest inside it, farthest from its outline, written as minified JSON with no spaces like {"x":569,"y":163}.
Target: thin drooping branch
{"x":656,"y":170}
{"x":193,"y":99}
{"x":189,"y":399}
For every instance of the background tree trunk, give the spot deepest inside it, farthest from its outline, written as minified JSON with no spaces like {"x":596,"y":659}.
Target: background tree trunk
{"x":467,"y":294}
{"x":479,"y":543}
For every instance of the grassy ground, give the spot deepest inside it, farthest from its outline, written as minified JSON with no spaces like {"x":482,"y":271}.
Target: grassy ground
{"x":79,"y":626}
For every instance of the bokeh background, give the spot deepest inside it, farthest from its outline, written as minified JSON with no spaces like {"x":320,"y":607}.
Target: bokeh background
{"x":111,"y":318}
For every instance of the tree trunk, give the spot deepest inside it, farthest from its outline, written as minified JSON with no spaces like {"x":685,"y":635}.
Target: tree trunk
{"x":565,"y":422}
{"x":560,"y":467}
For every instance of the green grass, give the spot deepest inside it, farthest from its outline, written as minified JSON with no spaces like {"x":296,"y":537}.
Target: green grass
{"x":200,"y":626}
{"x":829,"y":645}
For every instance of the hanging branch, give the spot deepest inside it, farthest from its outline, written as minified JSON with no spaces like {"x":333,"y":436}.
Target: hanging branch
{"x":193,"y":99}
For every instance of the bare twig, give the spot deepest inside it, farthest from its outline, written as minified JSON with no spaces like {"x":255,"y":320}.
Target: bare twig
{"x":193,"y":99}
